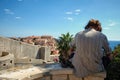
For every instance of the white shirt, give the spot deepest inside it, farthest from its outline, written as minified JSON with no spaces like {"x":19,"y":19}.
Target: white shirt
{"x":89,"y":52}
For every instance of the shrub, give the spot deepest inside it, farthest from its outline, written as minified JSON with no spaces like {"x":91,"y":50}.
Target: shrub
{"x":113,"y":70}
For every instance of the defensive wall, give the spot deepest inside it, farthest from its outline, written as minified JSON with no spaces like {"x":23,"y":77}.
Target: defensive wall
{"x":21,"y":49}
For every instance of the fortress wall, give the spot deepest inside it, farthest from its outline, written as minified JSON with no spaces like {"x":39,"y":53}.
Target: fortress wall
{"x":19,"y":49}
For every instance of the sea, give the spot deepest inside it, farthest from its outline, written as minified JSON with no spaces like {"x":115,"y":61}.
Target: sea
{"x":113,"y":44}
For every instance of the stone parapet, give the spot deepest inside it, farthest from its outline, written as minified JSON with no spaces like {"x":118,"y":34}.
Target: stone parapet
{"x":47,"y":72}
{"x":21,"y":49}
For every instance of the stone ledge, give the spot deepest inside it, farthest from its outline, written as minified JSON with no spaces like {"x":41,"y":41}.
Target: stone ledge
{"x":46,"y":73}
{"x":101,"y":74}
{"x":61,"y":71}
{"x":26,"y":60}
{"x":96,"y":76}
{"x":36,"y":76}
{"x":73,"y":77}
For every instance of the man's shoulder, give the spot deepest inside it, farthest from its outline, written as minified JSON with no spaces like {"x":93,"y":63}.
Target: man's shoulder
{"x":80,"y":32}
{"x":103,"y":36}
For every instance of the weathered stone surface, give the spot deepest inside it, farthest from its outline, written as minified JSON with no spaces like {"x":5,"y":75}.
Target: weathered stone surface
{"x":37,"y":76}
{"x":60,"y":77}
{"x":96,"y":76}
{"x":7,"y":44}
{"x":26,"y":78}
{"x":15,"y":48}
{"x":6,"y":60}
{"x":73,"y":77}
{"x":45,"y":53}
{"x":1,"y":78}
{"x":19,"y":49}
{"x":1,"y":45}
{"x":93,"y":78}
{"x":61,"y":71}
{"x":100,"y":74}
{"x":44,"y":78}
{"x":28,"y":50}
{"x":27,"y":60}
{"x":31,"y":72}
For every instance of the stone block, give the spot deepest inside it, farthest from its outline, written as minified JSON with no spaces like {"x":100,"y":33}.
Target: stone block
{"x":100,"y":74}
{"x":28,"y":50}
{"x":61,"y":71}
{"x":73,"y":77}
{"x":59,"y":77}
{"x":44,"y":78}
{"x":36,"y":76}
{"x":93,"y":78}
{"x":29,"y":60}
{"x":96,"y":76}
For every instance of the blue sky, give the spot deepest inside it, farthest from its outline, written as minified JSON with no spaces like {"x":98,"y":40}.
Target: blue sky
{"x":21,"y":18}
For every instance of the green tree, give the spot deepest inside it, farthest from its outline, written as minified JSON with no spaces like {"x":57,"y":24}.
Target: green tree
{"x":117,"y":49}
{"x":113,"y":71}
{"x":64,"y":47}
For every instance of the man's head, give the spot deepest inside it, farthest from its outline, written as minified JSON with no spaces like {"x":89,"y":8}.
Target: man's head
{"x":94,"y":24}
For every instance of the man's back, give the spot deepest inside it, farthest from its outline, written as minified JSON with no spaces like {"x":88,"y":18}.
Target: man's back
{"x":90,"y":45}
{"x":88,"y":52}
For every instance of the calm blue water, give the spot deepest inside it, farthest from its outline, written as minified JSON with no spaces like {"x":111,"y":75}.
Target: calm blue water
{"x":113,"y":44}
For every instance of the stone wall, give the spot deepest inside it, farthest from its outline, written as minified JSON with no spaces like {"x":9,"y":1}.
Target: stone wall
{"x":21,"y":49}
